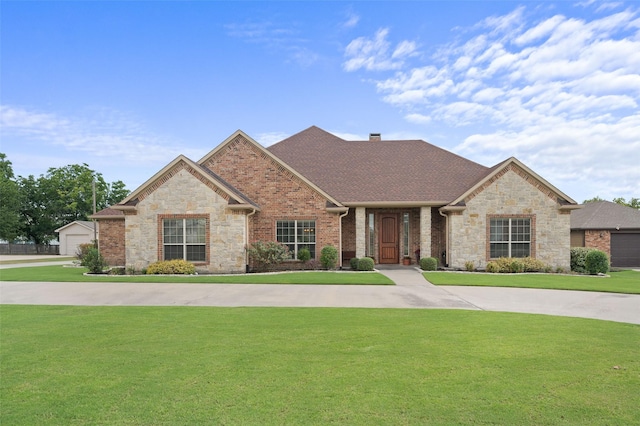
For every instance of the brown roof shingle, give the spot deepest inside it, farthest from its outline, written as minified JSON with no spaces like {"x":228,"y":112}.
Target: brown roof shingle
{"x":605,"y":215}
{"x":378,"y":171}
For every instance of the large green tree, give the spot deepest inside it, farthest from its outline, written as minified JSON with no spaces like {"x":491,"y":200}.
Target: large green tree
{"x":633,"y":202}
{"x":9,"y":201}
{"x":61,"y":196}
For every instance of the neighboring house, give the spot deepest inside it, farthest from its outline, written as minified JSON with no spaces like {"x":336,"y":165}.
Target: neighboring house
{"x":73,"y":234}
{"x":610,"y":227}
{"x":377,"y":198}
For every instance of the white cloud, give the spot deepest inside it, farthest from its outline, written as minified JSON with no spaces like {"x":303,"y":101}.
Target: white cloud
{"x":352,"y":20}
{"x":561,"y":93}
{"x":105,"y":134}
{"x":269,"y":138}
{"x":373,"y":54}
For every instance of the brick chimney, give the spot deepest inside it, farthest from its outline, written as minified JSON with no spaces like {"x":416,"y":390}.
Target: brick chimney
{"x":375,"y":137}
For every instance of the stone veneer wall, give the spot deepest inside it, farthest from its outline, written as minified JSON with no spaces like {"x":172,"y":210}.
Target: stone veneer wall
{"x":111,"y":241}
{"x":511,"y":193}
{"x":280,"y":194}
{"x":183,"y":193}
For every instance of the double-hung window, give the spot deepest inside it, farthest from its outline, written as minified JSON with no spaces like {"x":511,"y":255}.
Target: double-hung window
{"x":184,"y":239}
{"x":510,"y":237}
{"x":297,"y":234}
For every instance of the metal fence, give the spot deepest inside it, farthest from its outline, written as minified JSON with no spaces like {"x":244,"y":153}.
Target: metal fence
{"x":28,"y":249}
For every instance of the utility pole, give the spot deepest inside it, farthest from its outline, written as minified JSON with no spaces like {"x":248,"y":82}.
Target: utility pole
{"x":95,"y":225}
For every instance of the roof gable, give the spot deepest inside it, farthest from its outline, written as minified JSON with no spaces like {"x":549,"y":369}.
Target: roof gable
{"x":515,"y":165}
{"x":605,"y":215}
{"x":235,"y":198}
{"x":408,"y":172}
{"x":266,"y":153}
{"x":83,"y":223}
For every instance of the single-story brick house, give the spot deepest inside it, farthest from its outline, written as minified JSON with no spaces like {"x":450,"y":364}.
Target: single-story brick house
{"x":610,"y":227}
{"x":385,"y":199}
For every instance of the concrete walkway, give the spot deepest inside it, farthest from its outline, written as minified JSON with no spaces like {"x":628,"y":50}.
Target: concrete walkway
{"x":411,"y":291}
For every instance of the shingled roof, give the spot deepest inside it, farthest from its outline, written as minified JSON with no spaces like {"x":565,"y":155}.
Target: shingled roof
{"x":605,"y":215}
{"x":381,"y":171}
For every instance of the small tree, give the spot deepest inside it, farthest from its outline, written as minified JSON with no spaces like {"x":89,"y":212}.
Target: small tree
{"x":329,"y":257}
{"x":265,"y":255}
{"x":94,"y":261}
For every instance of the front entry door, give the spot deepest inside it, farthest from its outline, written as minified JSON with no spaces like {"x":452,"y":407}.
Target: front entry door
{"x":389,"y":238}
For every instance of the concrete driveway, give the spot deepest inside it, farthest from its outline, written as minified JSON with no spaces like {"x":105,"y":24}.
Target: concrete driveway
{"x":411,"y":291}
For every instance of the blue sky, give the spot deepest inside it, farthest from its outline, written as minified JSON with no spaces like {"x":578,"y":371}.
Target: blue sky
{"x":127,"y":86}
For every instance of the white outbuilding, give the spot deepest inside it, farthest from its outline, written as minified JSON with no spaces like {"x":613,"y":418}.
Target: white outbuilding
{"x":73,"y":234}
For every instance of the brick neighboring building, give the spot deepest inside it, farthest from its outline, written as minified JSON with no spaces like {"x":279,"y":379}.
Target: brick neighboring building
{"x":384,"y":199}
{"x":610,"y":227}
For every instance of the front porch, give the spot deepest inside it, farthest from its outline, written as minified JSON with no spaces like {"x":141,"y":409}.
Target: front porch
{"x":390,"y":234}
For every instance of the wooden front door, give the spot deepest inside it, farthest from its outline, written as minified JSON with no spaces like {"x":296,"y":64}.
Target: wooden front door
{"x":389,"y":238}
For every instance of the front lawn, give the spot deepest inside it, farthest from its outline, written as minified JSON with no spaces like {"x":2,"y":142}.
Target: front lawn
{"x":616,"y":282}
{"x":186,"y":365}
{"x":69,"y":274}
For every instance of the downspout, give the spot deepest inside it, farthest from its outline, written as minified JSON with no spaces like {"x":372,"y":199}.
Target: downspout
{"x":246,"y":240}
{"x":446,"y":236}
{"x":340,"y":232}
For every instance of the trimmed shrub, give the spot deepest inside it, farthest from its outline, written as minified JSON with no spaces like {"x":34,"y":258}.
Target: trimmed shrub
{"x":329,"y":257}
{"x":171,"y":267}
{"x":94,"y":261}
{"x":429,"y":264}
{"x":493,"y":267}
{"x":579,"y":259}
{"x":534,"y":265}
{"x":304,"y":255}
{"x":597,"y":262}
{"x":516,"y":266}
{"x":265,"y":255}
{"x":469,"y":266}
{"x":365,"y":264}
{"x":353,"y":263}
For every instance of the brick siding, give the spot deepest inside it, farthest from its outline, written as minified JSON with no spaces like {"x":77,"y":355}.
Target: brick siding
{"x":280,"y":194}
{"x":111,"y":242}
{"x":598,"y":239}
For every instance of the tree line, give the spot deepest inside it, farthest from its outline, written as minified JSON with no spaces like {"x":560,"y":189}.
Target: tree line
{"x":633,"y":202}
{"x":31,"y":208}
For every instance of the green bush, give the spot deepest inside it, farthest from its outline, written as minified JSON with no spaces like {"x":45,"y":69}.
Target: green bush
{"x":304,"y":255}
{"x":517,"y":265}
{"x":469,"y":266}
{"x":82,"y":250}
{"x":597,"y":262}
{"x":493,"y":267}
{"x":354,"y":263}
{"x":579,"y":259}
{"x":94,"y":261}
{"x":329,"y":257}
{"x":365,"y":264}
{"x":429,"y":264}
{"x":264,"y":255}
{"x":171,"y":267}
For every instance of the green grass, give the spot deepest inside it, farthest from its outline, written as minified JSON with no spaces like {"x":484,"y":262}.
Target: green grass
{"x":616,"y":282}
{"x":262,"y":366}
{"x":67,"y":274}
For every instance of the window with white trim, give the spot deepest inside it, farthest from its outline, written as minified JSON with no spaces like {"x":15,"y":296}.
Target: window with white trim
{"x":184,"y":239}
{"x":510,"y":237}
{"x":297,"y":234}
